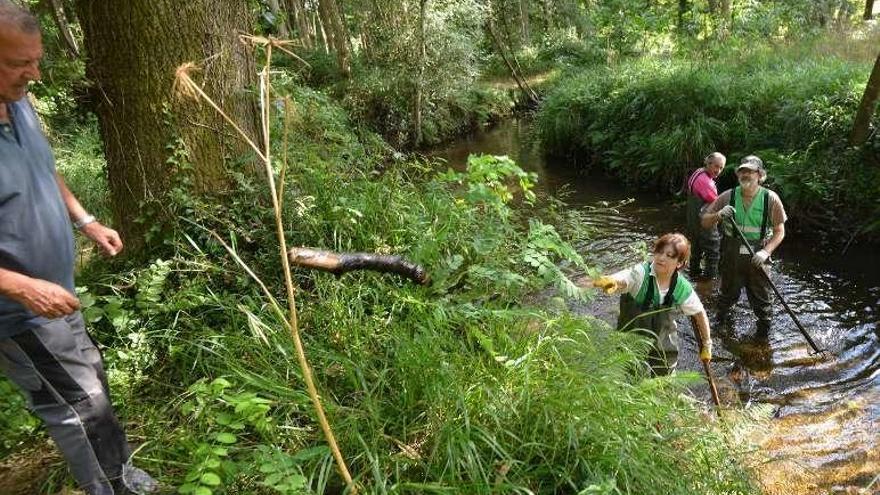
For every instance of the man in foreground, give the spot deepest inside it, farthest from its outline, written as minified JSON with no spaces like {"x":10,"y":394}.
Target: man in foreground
{"x":44,"y":347}
{"x":759,"y":214}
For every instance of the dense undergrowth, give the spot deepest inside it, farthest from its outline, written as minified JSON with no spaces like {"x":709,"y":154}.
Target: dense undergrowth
{"x":389,"y":80}
{"x":454,"y":387}
{"x":650,"y":120}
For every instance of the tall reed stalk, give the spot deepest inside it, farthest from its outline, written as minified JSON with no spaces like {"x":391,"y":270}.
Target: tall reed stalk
{"x":187,"y":87}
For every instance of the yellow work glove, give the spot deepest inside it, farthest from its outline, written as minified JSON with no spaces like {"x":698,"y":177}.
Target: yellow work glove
{"x":608,"y":284}
{"x":706,"y":352}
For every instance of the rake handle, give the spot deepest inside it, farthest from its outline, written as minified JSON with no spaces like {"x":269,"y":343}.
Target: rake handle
{"x":706,"y":368}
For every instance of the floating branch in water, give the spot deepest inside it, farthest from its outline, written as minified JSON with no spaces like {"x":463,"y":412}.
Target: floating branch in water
{"x":340,"y":263}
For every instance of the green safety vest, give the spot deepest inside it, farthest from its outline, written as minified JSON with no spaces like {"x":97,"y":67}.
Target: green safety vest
{"x":752,"y":222}
{"x":660,"y":326}
{"x":648,"y":297}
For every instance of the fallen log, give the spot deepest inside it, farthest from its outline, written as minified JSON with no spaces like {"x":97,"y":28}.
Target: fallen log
{"x":339,"y":263}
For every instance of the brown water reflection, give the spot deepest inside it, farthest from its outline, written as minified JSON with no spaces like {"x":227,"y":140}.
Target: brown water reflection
{"x":823,"y":435}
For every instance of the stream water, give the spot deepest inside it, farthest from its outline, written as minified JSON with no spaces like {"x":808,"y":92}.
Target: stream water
{"x":818,"y":417}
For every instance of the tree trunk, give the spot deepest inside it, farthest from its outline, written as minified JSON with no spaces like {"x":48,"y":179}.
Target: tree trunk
{"x":862,"y":123}
{"x":869,"y":10}
{"x":319,"y":28}
{"x":60,"y":18}
{"x":332,"y":20}
{"x":683,"y":7}
{"x":280,"y":19}
{"x":133,"y":49}
{"x":527,"y":91}
{"x":549,"y":21}
{"x":417,"y":114}
{"x":524,"y":22}
{"x":298,"y":16}
{"x":509,"y":44}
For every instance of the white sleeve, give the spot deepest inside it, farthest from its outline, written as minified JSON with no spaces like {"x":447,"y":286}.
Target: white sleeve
{"x":632,"y":277}
{"x":692,"y":305}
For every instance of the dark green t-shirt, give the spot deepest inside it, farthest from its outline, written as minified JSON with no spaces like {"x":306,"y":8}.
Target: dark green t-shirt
{"x":36,"y":237}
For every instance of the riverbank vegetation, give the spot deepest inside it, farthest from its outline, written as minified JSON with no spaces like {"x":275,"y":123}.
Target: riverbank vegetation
{"x":477,"y":382}
{"x":649,"y":120}
{"x":453,"y":387}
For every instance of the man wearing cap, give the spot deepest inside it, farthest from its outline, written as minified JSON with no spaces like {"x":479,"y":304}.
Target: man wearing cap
{"x":44,"y":347}
{"x":701,"y":191}
{"x":761,"y":217}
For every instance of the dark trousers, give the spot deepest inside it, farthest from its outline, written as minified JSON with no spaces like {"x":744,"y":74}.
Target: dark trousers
{"x":737,"y":272}
{"x":706,"y":248}
{"x":658,"y":326}
{"x":705,"y":243}
{"x":60,"y":371}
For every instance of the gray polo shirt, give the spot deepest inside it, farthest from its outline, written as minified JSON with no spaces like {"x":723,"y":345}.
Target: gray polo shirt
{"x":36,"y":237}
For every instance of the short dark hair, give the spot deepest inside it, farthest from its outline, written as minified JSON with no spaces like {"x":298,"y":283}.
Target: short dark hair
{"x":679,"y":243}
{"x":15,"y":16}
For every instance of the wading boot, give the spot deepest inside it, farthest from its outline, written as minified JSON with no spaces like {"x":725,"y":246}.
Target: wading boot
{"x":763,"y":332}
{"x":135,"y":481}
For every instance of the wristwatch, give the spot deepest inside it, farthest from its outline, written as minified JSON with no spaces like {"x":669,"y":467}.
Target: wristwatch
{"x":82,"y":222}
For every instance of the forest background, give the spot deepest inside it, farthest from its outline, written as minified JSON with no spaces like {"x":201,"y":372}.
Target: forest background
{"x":475,"y":383}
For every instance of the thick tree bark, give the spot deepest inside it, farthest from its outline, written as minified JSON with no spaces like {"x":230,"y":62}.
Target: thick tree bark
{"x":869,"y":10}
{"x":336,"y":35}
{"x":133,"y":49}
{"x":862,"y":123}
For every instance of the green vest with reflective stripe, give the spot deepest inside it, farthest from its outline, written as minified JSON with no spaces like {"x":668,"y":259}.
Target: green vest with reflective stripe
{"x":752,"y":222}
{"x":648,"y":297}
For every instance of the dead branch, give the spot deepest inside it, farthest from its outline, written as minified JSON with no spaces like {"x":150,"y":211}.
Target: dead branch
{"x":339,"y":263}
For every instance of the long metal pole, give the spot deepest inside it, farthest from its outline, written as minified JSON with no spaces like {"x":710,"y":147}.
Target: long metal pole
{"x":794,"y":317}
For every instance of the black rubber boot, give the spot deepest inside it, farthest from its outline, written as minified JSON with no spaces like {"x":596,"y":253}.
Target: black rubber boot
{"x":763,"y":331}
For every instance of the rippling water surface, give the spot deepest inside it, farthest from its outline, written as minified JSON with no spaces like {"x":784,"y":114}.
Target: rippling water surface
{"x":823,"y":435}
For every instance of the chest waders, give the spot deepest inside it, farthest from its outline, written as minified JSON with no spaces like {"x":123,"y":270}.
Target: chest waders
{"x":647,"y":315}
{"x":737,"y":271}
{"x":705,"y":243}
